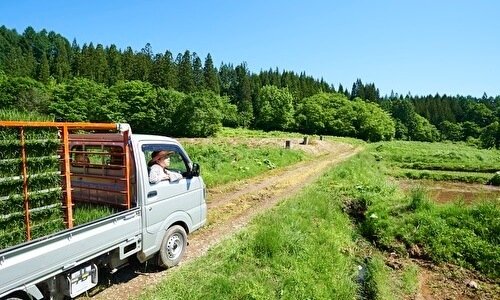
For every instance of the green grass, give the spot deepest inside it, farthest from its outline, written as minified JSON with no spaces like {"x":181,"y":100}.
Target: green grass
{"x":438,"y":161}
{"x":14,"y":115}
{"x":242,"y":133}
{"x":467,"y":177}
{"x":302,"y":249}
{"x":250,"y":133}
{"x":222,"y":163}
{"x":409,"y":279}
{"x":84,"y":213}
{"x":379,"y":283}
{"x":382,"y":282}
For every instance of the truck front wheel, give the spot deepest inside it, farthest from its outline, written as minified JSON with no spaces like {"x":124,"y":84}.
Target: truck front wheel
{"x":173,"y":246}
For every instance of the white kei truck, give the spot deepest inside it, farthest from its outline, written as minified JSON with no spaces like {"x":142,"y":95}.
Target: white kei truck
{"x":76,"y":201}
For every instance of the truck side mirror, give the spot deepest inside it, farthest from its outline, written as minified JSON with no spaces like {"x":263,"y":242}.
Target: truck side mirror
{"x":196,"y":170}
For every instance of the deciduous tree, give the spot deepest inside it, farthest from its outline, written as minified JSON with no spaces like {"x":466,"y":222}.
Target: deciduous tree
{"x":274,"y":109}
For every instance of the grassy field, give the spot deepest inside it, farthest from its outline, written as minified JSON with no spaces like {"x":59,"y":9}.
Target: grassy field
{"x":438,"y":161}
{"x":318,"y":244}
{"x":222,"y":162}
{"x":237,"y":154}
{"x":413,"y":224}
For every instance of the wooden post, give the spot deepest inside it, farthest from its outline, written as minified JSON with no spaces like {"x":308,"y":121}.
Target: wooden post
{"x":306,"y":140}
{"x":288,"y":144}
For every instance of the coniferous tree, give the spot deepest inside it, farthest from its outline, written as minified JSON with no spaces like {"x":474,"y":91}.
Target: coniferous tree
{"x":197,"y":73}
{"x":100,"y":65}
{"x":358,"y":90}
{"x":43,"y":70}
{"x":305,"y":86}
{"x":30,"y":63}
{"x":76,"y":59}
{"x":404,"y":113}
{"x":264,"y":78}
{"x":275,"y":77}
{"x":29,"y":55}
{"x":227,"y":76}
{"x":13,"y":64}
{"x":60,"y":65}
{"x":114,"y":59}
{"x":185,"y":75}
{"x":156,"y":77}
{"x":164,"y":71}
{"x":86,"y":68}
{"x":143,"y":63}
{"x":28,"y":41}
{"x":372,"y":94}
{"x":291,"y":82}
{"x":43,"y":43}
{"x":128,"y":64}
{"x":341,"y":88}
{"x":170,"y":71}
{"x":243,"y":95}
{"x":8,"y":41}
{"x":210,"y":77}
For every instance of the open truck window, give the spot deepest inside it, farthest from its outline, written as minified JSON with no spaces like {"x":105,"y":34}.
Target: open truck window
{"x":178,"y":163}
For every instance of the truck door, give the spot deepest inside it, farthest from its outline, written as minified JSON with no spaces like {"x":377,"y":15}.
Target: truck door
{"x":175,"y":200}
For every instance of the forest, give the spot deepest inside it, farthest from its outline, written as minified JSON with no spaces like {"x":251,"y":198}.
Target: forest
{"x":185,"y":96}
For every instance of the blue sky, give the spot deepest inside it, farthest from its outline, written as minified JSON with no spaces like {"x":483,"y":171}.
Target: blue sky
{"x":422,"y":47}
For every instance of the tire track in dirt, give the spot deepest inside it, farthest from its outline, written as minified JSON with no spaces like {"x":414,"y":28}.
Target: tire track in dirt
{"x":230,"y":208}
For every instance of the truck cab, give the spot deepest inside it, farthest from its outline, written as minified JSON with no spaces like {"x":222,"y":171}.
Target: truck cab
{"x":168,"y":203}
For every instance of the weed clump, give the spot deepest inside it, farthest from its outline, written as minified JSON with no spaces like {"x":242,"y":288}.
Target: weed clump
{"x":495,"y":180}
{"x":419,"y":199}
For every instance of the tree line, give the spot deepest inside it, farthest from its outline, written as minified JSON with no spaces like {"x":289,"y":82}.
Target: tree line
{"x":43,"y":72}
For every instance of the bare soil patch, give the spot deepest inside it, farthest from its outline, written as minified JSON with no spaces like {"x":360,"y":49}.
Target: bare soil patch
{"x":448,"y":281}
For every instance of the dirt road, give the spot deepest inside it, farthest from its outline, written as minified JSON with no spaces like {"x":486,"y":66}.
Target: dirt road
{"x":230,"y":208}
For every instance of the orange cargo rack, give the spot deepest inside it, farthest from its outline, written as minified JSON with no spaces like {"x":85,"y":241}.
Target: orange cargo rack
{"x":64,"y":128}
